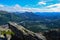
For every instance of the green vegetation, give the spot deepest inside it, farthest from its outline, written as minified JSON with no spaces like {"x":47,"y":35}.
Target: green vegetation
{"x":7,"y":32}
{"x":31,"y":21}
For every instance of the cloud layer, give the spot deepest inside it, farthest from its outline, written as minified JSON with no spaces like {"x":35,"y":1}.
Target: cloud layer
{"x":18,"y":8}
{"x":41,"y":3}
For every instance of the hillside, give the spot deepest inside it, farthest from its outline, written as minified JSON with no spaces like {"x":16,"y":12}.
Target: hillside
{"x":21,"y":33}
{"x":39,"y":21}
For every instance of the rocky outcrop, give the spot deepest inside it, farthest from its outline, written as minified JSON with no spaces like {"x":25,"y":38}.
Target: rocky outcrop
{"x":20,"y":33}
{"x":52,"y":35}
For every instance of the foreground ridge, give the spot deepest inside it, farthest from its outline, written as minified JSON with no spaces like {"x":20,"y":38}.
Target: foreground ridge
{"x":22,"y":33}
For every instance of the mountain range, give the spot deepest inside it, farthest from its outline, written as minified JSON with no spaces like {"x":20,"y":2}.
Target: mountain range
{"x":39,"y":20}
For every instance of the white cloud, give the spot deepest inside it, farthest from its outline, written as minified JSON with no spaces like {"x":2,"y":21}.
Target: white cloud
{"x":18,"y":8}
{"x":43,"y":3}
{"x":1,"y":5}
{"x":55,"y":5}
{"x":54,"y":8}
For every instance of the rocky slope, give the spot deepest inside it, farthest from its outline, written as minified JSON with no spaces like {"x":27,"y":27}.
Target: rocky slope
{"x":23,"y":34}
{"x":18,"y":32}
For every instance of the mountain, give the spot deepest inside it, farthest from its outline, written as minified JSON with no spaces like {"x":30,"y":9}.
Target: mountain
{"x":20,"y":18}
{"x":17,"y":17}
{"x":49,"y":15}
{"x":21,"y":33}
{"x":50,"y":18}
{"x":28,"y":16}
{"x":39,"y":21}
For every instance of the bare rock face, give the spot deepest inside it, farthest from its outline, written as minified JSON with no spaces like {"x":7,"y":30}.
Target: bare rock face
{"x":20,"y":33}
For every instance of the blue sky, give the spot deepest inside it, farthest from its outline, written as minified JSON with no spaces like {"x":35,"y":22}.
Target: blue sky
{"x":47,"y":5}
{"x":28,"y":2}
